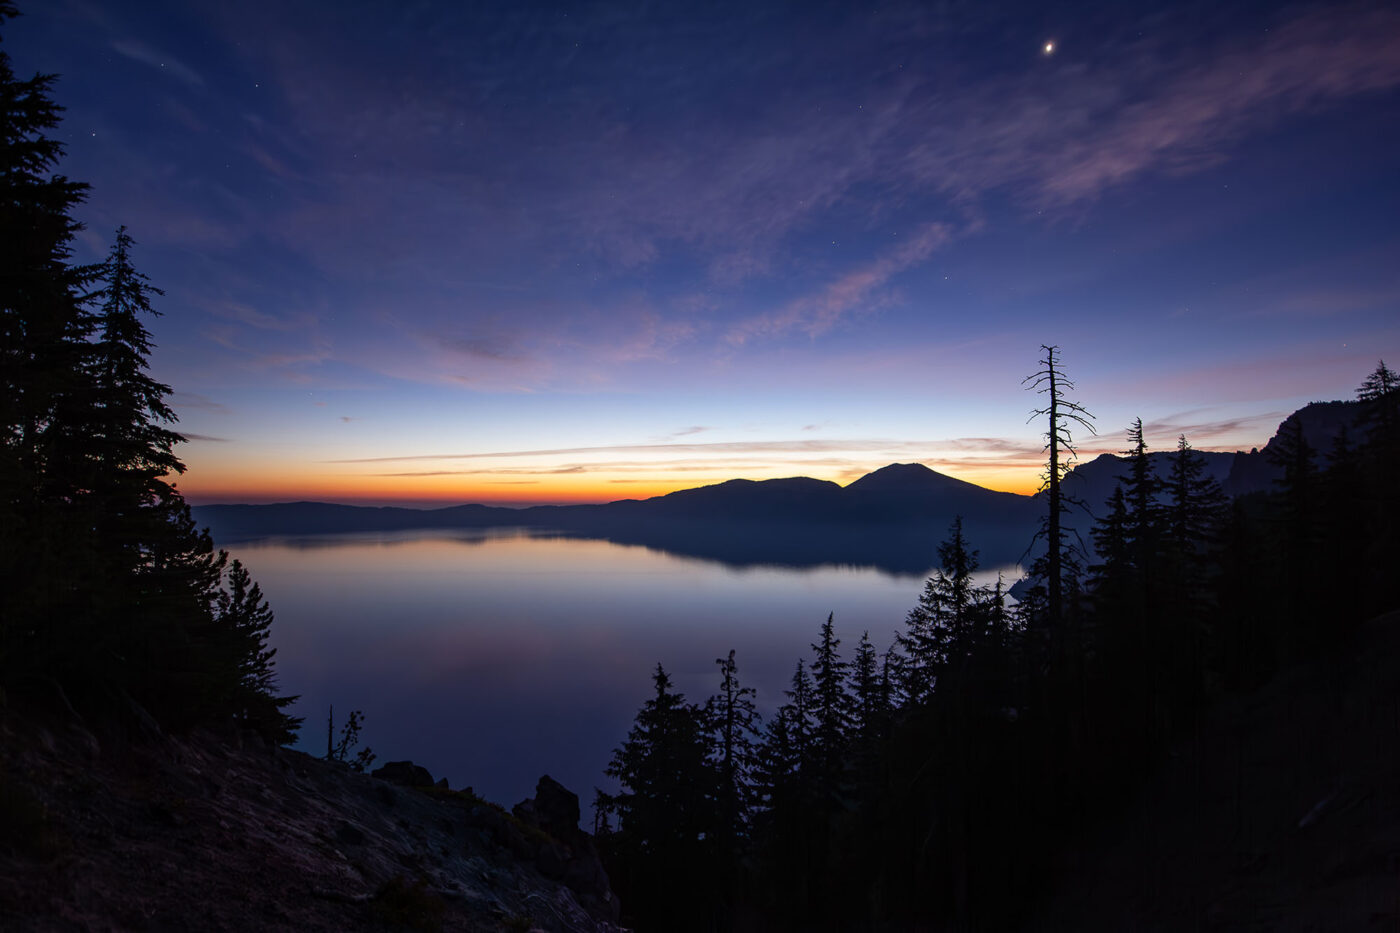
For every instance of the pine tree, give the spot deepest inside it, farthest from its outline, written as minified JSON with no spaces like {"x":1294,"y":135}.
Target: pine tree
{"x":1140,"y":491}
{"x":870,"y":713}
{"x":663,"y":771}
{"x":831,"y":706}
{"x":733,"y":720}
{"x":778,"y":762}
{"x":663,"y":811}
{"x":870,"y":709}
{"x":245,"y":620}
{"x":799,"y":718}
{"x":1380,"y":395}
{"x":1110,"y":537}
{"x":44,"y":328}
{"x":1195,"y":504}
{"x":951,"y":620}
{"x":129,"y":442}
{"x":111,"y":593}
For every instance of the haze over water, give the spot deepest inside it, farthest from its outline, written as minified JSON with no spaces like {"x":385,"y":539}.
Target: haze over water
{"x":495,"y":657}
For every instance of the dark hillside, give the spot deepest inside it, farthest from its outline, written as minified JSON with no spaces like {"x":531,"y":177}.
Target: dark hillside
{"x":1280,"y":811}
{"x":1320,"y":422}
{"x":217,"y":833}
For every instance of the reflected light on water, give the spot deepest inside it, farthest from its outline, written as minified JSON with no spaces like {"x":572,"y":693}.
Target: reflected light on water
{"x":495,"y":657}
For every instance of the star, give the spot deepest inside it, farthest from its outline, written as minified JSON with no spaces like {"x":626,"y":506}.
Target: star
{"x":1049,"y":47}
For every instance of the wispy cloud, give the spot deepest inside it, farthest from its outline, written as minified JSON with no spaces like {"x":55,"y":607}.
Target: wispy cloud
{"x":141,"y":52}
{"x":496,"y":347}
{"x":244,"y":313}
{"x":1305,"y":63}
{"x":994,"y":446}
{"x":1165,"y":431}
{"x":196,"y":401}
{"x":856,"y":291}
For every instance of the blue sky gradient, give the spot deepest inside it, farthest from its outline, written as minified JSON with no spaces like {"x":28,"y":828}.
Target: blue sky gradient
{"x":433,"y":252}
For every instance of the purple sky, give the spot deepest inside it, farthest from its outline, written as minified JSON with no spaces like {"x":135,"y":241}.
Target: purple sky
{"x":471,"y":252}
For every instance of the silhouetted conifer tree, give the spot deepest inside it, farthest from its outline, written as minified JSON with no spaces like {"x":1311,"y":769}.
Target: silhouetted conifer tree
{"x":245,"y":620}
{"x":109,"y":588}
{"x":831,"y":706}
{"x":664,"y":813}
{"x":1376,"y":491}
{"x":44,"y":328}
{"x":1058,"y":568}
{"x":1194,"y":503}
{"x":1141,"y":487}
{"x":799,"y":719}
{"x":871,"y":702}
{"x":1380,"y":394}
{"x":733,"y":721}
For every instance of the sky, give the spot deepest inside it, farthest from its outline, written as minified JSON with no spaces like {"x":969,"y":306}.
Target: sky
{"x":433,"y":253}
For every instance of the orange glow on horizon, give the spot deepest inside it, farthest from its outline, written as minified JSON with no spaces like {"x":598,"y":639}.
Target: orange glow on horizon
{"x":248,"y":486}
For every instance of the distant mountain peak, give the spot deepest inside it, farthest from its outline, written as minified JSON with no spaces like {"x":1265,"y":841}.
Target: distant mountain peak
{"x":902,"y":477}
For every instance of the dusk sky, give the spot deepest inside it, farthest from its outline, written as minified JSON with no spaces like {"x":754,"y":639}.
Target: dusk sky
{"x":505,"y":252}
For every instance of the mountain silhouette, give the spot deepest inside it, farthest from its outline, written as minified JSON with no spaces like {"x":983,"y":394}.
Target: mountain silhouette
{"x":892,"y":518}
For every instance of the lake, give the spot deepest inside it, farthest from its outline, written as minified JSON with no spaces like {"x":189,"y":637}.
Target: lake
{"x":494,"y":656}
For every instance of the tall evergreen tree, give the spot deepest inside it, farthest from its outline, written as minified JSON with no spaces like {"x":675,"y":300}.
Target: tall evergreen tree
{"x":1141,"y":488}
{"x":129,"y":439}
{"x":870,"y":706}
{"x":785,"y":754}
{"x":662,"y":769}
{"x":44,"y":328}
{"x":110,"y":591}
{"x":1380,"y":394}
{"x":950,"y":619}
{"x":663,"y":812}
{"x":1195,"y":504}
{"x":831,"y":705}
{"x":244,"y":619}
{"x":733,"y":722}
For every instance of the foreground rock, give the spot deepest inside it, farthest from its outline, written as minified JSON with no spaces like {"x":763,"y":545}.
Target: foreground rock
{"x":205,"y":833}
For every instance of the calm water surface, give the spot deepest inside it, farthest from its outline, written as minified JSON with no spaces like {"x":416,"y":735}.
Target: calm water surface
{"x":494,"y":657}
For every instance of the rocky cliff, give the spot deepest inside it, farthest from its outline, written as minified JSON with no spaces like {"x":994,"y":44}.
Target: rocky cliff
{"x":206,"y":832}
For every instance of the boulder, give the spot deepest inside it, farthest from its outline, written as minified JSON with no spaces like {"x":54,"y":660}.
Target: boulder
{"x":404,"y":774}
{"x":556,"y":809}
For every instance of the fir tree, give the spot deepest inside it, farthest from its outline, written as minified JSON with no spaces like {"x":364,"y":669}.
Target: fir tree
{"x":44,"y":328}
{"x":129,"y":438}
{"x":1140,"y":491}
{"x":799,"y":719}
{"x":245,"y":621}
{"x":952,"y":619}
{"x":831,"y":706}
{"x":111,"y":592}
{"x":733,"y":720}
{"x":663,"y":771}
{"x":870,"y":708}
{"x":1380,"y":395}
{"x":663,"y":811}
{"x":1195,"y":503}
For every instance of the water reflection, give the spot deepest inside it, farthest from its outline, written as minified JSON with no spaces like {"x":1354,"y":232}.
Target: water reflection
{"x":493,"y":656}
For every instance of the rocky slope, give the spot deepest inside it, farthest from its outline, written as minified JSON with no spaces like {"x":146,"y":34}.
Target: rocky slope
{"x":225,"y":833}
